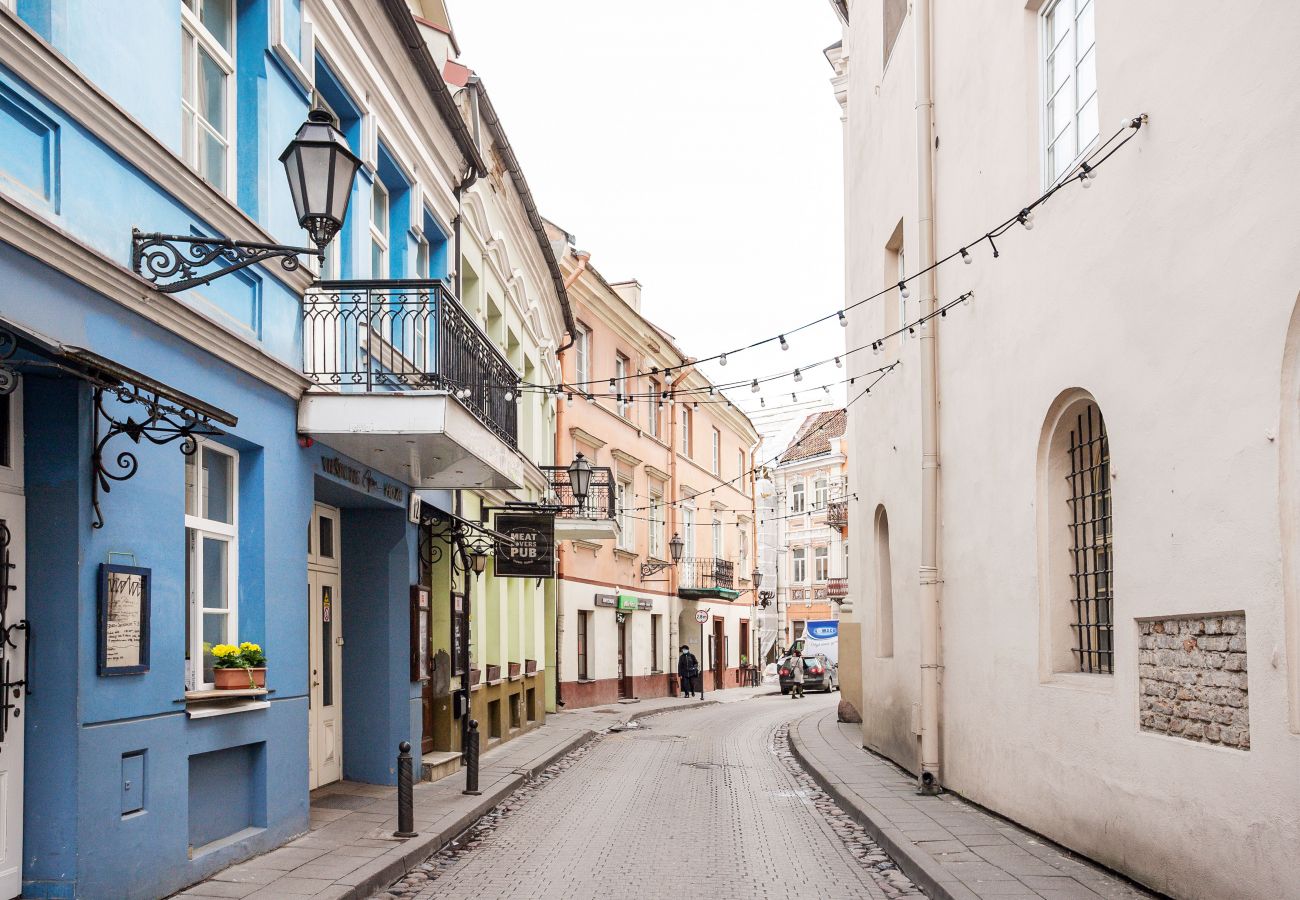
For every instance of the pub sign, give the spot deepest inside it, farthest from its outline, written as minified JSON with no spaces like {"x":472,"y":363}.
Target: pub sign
{"x":532,"y":551}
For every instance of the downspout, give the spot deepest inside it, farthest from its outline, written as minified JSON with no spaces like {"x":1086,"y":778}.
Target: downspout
{"x":673,"y":526}
{"x":582,"y":256}
{"x":930,"y":770}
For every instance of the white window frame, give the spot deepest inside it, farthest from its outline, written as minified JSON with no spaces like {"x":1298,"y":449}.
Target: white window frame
{"x":719,"y":545}
{"x":688,"y":531}
{"x":193,"y":29}
{"x":621,"y":364}
{"x":653,"y":407}
{"x":742,"y":552}
{"x":821,"y":563}
{"x":717,"y":452}
{"x":582,"y":356}
{"x":1080,"y":147}
{"x":656,"y":548}
{"x":686,"y":430}
{"x":798,"y":501}
{"x":821,"y":492}
{"x":799,"y":565}
{"x":624,"y":498}
{"x":198,"y":527}
{"x":379,"y":236}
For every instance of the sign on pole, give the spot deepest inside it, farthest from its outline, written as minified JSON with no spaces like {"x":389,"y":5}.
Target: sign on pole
{"x":702,"y":616}
{"x":532,"y":551}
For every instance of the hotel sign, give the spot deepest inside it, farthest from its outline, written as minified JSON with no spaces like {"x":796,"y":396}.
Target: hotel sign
{"x":531,"y":553}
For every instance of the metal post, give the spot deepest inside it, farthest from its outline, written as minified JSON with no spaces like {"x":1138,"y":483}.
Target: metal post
{"x":405,"y":803}
{"x":471,"y":760}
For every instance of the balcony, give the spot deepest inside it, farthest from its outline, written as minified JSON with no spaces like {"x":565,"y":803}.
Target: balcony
{"x":596,"y":519}
{"x":837,"y":513}
{"x":837,"y":588}
{"x":404,"y":381}
{"x":706,"y":577}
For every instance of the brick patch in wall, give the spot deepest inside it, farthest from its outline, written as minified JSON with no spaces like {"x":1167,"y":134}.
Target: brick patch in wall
{"x":1192,"y":678}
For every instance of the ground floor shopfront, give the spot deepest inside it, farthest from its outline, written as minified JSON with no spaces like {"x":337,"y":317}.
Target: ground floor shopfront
{"x":623,"y":643}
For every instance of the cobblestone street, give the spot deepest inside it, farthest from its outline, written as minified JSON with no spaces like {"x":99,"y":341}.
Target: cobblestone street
{"x":706,"y":800}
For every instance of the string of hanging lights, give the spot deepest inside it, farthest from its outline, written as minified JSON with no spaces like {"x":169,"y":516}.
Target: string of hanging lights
{"x":1082,"y":174}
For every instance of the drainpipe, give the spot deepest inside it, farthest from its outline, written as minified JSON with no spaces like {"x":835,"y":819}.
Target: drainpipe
{"x":466,"y":183}
{"x":930,"y":781}
{"x":672,"y":527}
{"x":583,"y":256}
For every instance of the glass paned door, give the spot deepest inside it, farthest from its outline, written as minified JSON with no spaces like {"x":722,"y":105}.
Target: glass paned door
{"x":325,"y":718}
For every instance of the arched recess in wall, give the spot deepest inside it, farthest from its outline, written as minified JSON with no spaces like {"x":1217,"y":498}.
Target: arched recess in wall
{"x":884,"y":587}
{"x":1289,"y":508}
{"x":1074,"y":529}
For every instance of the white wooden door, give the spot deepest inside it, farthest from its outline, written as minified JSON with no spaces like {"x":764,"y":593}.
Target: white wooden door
{"x":325,"y":634}
{"x":13,"y":545}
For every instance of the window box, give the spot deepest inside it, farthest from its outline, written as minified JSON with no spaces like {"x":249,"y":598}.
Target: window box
{"x":530,"y":667}
{"x":493,"y":674}
{"x":514,"y":671}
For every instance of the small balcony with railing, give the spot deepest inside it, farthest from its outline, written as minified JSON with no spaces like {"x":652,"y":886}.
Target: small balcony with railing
{"x":405,"y":381}
{"x":706,"y":577}
{"x":837,"y":588}
{"x":595,"y":518}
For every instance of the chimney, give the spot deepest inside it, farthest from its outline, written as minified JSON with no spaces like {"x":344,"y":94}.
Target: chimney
{"x":630,"y":291}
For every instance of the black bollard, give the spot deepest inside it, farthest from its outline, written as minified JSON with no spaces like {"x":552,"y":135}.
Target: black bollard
{"x":405,"y":802}
{"x":471,"y":760}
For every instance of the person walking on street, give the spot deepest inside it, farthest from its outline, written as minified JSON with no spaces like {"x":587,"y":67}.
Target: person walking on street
{"x":688,"y":671}
{"x":796,"y":675}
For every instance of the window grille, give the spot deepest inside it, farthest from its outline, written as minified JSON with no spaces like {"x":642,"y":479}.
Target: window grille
{"x":1090,"y":542}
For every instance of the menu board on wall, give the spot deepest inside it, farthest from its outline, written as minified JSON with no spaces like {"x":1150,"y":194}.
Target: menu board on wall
{"x":124,"y":597}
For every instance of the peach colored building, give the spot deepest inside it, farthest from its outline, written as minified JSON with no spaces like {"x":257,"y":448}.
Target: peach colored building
{"x":671,"y":459}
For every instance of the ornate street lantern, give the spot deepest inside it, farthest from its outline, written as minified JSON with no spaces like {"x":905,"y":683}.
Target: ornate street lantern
{"x":477,"y":561}
{"x":321,"y":168}
{"x":757,"y":577}
{"x":580,"y":479}
{"x":675,"y":548}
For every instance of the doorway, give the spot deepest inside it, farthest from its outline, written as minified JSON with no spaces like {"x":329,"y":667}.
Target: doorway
{"x":13,"y":604}
{"x":624,"y":679}
{"x":719,"y":662}
{"x":325,"y":649}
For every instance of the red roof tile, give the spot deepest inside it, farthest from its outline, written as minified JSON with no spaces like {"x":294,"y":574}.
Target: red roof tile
{"x":814,"y":436}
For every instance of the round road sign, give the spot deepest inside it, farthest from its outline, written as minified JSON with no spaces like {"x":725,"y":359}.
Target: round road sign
{"x":702,"y":616}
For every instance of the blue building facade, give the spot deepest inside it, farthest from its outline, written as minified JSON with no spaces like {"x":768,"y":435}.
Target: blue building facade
{"x":164,"y":433}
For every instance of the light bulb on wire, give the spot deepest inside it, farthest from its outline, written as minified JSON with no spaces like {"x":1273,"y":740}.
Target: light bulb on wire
{"x":784,"y":344}
{"x":839,"y":363}
{"x":903,"y":291}
{"x":844,"y":320}
{"x":722,"y":360}
{"x":966,"y":257}
{"x":798,"y":376}
{"x":753,"y":386}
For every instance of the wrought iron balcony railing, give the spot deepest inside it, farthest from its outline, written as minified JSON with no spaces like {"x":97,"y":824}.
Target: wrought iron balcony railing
{"x":600,"y":503}
{"x":837,"y":513}
{"x":837,"y":588}
{"x":704,"y":572}
{"x":406,"y":335}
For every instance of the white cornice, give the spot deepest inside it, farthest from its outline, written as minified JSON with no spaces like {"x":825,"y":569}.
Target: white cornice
{"x":657,"y":473}
{"x":53,"y":76}
{"x":624,"y":456}
{"x":586,"y":437}
{"x":36,"y":237}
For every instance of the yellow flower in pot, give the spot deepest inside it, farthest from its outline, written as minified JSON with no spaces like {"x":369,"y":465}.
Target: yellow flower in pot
{"x":235,"y":667}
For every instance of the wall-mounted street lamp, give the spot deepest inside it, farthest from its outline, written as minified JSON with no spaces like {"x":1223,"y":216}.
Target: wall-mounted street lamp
{"x":675,"y":548}
{"x":320,"y":167}
{"x":477,"y":561}
{"x":580,"y":479}
{"x":765,"y":598}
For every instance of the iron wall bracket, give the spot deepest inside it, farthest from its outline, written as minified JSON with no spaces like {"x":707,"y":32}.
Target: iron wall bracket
{"x":157,"y":257}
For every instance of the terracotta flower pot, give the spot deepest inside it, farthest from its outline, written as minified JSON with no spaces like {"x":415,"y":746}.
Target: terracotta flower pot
{"x":238,"y":679}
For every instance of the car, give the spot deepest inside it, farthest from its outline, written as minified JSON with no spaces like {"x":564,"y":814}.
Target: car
{"x":819,"y":673}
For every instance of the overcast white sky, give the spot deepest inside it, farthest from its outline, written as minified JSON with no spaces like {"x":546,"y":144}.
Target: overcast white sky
{"x":691,"y":144}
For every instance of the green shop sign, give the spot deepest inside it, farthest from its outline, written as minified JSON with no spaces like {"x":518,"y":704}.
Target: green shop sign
{"x":627,"y":602}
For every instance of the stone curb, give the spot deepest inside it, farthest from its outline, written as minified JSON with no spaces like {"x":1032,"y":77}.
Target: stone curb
{"x":918,"y":865}
{"x":397,"y":862}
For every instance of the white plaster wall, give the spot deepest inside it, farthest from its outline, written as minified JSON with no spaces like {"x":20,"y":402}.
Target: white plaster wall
{"x":1166,"y":291}
{"x":577,"y":596}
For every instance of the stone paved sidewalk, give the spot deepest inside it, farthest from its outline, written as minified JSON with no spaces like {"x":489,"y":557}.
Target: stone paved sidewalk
{"x":350,"y":850}
{"x":952,"y":849}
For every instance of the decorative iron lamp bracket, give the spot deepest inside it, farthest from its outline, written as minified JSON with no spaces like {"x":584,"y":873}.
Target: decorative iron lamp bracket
{"x":161,"y":423}
{"x":156,"y":257}
{"x":657,"y":565}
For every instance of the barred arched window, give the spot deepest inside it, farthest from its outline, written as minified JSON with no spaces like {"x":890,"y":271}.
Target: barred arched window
{"x":1077,"y":550}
